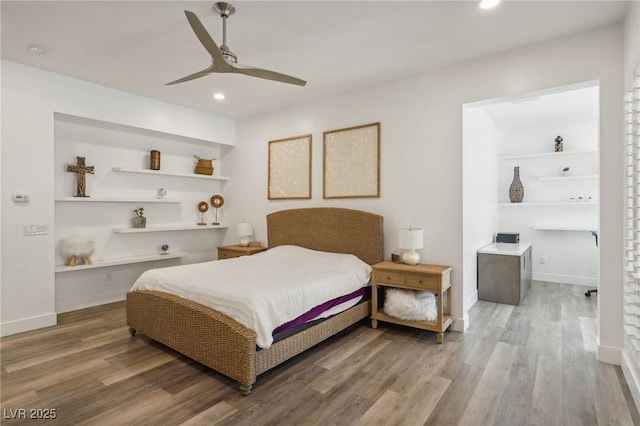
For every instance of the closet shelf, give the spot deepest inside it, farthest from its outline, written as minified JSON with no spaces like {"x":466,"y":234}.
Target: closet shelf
{"x":546,"y":154}
{"x":113,"y":200}
{"x":159,"y":173}
{"x":565,"y":228}
{"x":560,"y":178}
{"x":121,"y":261}
{"x":166,"y":228}
{"x":552,"y":203}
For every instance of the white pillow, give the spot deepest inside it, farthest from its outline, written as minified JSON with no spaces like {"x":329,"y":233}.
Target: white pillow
{"x":410,"y":305}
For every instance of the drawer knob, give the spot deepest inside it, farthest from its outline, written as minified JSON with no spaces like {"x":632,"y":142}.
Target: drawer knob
{"x":420,"y":281}
{"x":388,"y":278}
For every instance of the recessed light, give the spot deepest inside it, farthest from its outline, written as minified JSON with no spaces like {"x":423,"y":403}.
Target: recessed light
{"x":218,"y":96}
{"x":488,"y":4}
{"x":37,"y":49}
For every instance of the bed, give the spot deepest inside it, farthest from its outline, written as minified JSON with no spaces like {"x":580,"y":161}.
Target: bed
{"x":228,"y":347}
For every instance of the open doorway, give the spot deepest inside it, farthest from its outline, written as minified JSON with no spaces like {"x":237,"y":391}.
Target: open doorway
{"x":552,"y":137}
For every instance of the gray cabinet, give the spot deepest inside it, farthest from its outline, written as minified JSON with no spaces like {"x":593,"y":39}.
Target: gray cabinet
{"x":504,"y":272}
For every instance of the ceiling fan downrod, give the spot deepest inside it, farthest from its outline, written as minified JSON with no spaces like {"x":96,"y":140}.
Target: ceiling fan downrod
{"x":225,"y":10}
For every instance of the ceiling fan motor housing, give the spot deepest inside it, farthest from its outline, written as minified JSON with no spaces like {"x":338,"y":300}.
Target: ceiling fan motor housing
{"x":228,"y":54}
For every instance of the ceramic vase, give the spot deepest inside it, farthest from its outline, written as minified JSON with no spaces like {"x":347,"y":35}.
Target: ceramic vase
{"x":516,"y":190}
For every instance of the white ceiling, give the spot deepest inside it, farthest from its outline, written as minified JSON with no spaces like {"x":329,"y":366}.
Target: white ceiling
{"x":138,"y":46}
{"x":559,"y":106}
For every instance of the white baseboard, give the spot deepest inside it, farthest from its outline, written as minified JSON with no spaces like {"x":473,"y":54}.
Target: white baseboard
{"x":460,"y":324}
{"x":471,"y":300}
{"x":631,"y":376}
{"x":27,"y":324}
{"x":566,"y":279}
{"x":88,"y":302}
{"x":609,"y":354}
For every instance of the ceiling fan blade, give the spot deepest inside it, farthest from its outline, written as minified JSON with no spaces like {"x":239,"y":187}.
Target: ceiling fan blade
{"x":266,"y":74}
{"x":205,"y":38}
{"x":192,"y":76}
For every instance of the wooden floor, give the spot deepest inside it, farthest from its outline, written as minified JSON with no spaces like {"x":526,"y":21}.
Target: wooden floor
{"x":533,"y":364}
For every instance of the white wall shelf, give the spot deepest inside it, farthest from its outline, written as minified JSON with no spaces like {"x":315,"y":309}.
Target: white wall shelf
{"x":546,"y":154}
{"x":561,"y":178}
{"x":121,"y":261}
{"x":565,"y":228}
{"x":552,"y":203}
{"x":159,"y":173}
{"x":113,"y":200}
{"x":166,"y":228}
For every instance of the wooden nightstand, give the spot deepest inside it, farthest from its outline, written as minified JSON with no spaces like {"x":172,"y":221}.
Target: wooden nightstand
{"x":227,"y":252}
{"x":434,"y":278}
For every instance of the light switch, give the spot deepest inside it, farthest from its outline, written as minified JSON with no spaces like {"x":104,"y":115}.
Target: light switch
{"x":36,"y":229}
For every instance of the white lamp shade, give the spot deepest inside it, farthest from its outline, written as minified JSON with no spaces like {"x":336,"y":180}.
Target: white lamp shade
{"x":245,"y":229}
{"x":411,"y":238}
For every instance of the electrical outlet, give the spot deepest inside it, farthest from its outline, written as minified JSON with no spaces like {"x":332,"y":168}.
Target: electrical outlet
{"x":543,"y":260}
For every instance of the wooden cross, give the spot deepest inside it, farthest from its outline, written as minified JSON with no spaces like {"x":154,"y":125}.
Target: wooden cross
{"x":80,"y":169}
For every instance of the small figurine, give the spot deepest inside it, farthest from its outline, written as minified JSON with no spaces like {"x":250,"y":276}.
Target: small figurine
{"x":139,"y":221}
{"x":162,"y":193}
{"x":558,"y":146}
{"x":565,"y":171}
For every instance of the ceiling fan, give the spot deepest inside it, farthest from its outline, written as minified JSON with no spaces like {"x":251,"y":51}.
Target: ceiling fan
{"x":224,"y":60}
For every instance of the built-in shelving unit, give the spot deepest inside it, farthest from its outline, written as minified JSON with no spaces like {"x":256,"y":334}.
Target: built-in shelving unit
{"x":122,"y":261}
{"x":113,"y":200}
{"x":121,"y":182}
{"x":167,"y":228}
{"x":160,"y":173}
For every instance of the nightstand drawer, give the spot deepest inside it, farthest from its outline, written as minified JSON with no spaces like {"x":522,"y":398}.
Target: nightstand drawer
{"x":228,"y":254}
{"x":386,"y":277}
{"x":421,"y":281}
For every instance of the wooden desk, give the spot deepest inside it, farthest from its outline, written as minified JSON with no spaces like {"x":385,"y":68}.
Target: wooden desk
{"x":434,"y":278}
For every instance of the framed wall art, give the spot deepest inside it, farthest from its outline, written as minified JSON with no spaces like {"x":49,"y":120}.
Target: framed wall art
{"x":351,"y":162}
{"x":290,"y":168}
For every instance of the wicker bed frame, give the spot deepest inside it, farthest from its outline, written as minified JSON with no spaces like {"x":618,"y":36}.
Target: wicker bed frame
{"x":225,"y":345}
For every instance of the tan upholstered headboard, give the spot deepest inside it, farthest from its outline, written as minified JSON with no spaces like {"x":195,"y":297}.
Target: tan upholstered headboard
{"x":329,"y":229}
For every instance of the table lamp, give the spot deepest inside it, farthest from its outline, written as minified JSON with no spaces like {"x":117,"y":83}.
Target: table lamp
{"x":245,"y":231}
{"x":410,"y":240}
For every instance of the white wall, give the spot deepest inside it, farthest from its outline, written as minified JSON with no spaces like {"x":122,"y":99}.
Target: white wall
{"x":480,"y":198}
{"x":631,"y":42}
{"x":422,"y":161}
{"x":630,"y":367}
{"x":30,"y":97}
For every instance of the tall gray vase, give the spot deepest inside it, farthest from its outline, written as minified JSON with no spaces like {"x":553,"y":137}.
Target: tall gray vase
{"x":516,"y":190}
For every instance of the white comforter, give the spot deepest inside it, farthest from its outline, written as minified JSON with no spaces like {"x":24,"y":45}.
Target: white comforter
{"x":265,"y":290}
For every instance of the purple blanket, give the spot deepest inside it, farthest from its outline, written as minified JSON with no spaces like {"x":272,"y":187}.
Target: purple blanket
{"x":314,"y":312}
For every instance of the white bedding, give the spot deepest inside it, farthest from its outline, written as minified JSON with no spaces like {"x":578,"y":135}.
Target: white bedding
{"x":265,"y":290}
